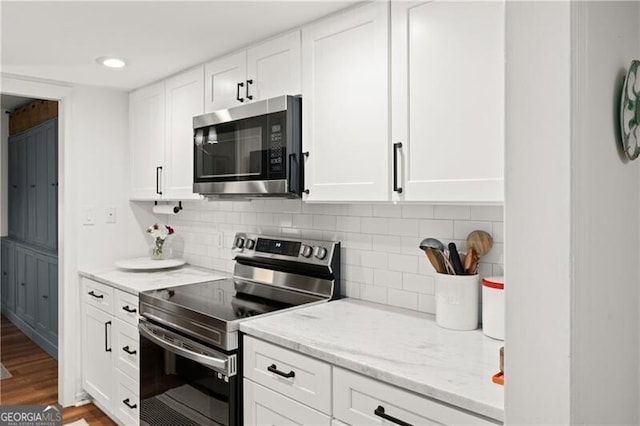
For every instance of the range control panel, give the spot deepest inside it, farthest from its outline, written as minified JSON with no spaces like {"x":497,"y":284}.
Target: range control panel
{"x":300,"y":250}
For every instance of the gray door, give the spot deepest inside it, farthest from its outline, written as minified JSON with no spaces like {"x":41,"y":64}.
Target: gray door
{"x":43,"y":313}
{"x":7,"y":263}
{"x":17,"y":186}
{"x":27,"y":285}
{"x":52,"y":184}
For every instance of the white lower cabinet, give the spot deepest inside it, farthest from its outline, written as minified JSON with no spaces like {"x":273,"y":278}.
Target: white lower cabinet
{"x":359,"y":400}
{"x":110,"y":350}
{"x":284,"y":387}
{"x":263,"y":406}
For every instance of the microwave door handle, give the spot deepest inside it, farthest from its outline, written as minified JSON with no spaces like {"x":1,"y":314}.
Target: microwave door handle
{"x":292,"y":157}
{"x":216,"y":363}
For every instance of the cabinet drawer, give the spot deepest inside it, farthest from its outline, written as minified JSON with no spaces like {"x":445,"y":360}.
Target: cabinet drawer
{"x":266,"y":407}
{"x":126,"y":307}
{"x":309,"y":381}
{"x":127,"y":403}
{"x":126,"y":347}
{"x":98,"y":295}
{"x":357,"y":399}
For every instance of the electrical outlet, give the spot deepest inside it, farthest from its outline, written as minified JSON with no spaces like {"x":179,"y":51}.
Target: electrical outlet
{"x":110,"y":215}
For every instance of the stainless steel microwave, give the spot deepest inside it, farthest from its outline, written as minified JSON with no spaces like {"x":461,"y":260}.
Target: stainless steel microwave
{"x":249,"y":151}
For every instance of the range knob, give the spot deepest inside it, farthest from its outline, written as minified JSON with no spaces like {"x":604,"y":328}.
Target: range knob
{"x":320,"y":252}
{"x":250,"y":244}
{"x":306,"y":251}
{"x":238,"y":243}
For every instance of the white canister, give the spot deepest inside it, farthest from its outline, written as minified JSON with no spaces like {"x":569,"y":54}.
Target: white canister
{"x":457,"y":301}
{"x":493,"y":307}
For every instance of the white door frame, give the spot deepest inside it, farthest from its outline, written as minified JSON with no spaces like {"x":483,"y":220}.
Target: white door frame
{"x":68,"y":348}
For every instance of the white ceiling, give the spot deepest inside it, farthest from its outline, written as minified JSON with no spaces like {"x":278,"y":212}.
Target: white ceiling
{"x":60,"y":40}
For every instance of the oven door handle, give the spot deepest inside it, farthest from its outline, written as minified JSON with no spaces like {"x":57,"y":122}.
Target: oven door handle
{"x":217,"y":363}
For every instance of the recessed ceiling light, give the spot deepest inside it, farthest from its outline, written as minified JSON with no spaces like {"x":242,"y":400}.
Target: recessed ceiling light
{"x":111,"y":62}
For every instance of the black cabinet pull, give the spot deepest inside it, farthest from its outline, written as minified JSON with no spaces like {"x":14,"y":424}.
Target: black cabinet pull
{"x":32,"y":185}
{"x":106,"y":340}
{"x":274,"y":369}
{"x":158,"y":170}
{"x":129,"y":351}
{"x":247,"y":91}
{"x":128,"y":309}
{"x":239,"y":85}
{"x":97,"y":296}
{"x":380,"y":413}
{"x":22,"y":284}
{"x":4,"y":273}
{"x":45,"y":297}
{"x":128,"y":404}
{"x":396,"y":147}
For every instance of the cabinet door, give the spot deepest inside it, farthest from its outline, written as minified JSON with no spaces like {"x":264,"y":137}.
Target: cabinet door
{"x":97,"y":355}
{"x":146,"y":136}
{"x":32,"y":139}
{"x":345,"y":105}
{"x":273,"y":67}
{"x":52,"y":185}
{"x":27,"y":285}
{"x":184,"y":96}
{"x":7,"y":263}
{"x":221,"y":79}
{"x":17,"y":186}
{"x":46,"y":315}
{"x":448,"y":99}
{"x":262,"y":406}
{"x":41,"y":151}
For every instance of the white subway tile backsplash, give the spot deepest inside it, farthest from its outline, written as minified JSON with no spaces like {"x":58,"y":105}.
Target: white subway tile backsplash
{"x":491,"y":213}
{"x":372,"y":293}
{"x":386,"y":210}
{"x":380,"y":258}
{"x":404,"y":227}
{"x":403,"y":263}
{"x":416,"y":211}
{"x":436,"y":228}
{"x":374,"y":225}
{"x":452,"y":212}
{"x":402,"y":299}
{"x":386,"y":278}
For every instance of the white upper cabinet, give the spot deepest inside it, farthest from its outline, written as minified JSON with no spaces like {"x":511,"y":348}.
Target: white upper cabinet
{"x":345,"y":95}
{"x":225,"y":82}
{"x":447,"y":71}
{"x":263,"y":71}
{"x":161,"y":136}
{"x":184,"y":95}
{"x":273,"y":67}
{"x":146,"y":137}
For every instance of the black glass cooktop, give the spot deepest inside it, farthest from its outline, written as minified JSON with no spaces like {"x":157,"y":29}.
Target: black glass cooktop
{"x":216,"y":299}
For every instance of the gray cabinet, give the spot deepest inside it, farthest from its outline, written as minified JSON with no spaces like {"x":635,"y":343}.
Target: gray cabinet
{"x":33,"y":185}
{"x":30,"y":293}
{"x":7,"y":264}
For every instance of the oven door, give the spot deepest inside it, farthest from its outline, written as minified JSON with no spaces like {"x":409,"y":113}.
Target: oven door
{"x":183,"y":381}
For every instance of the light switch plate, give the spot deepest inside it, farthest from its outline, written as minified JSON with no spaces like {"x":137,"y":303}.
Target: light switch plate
{"x":110,"y":215}
{"x":88,"y":216}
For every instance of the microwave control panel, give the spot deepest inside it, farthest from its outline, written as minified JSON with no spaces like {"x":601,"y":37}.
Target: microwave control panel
{"x":277,"y":143}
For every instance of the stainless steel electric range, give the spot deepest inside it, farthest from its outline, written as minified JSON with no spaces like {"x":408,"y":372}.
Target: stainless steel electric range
{"x":189,"y":342}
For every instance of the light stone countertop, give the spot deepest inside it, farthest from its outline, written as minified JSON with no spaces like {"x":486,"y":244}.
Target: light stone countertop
{"x":400,"y":347}
{"x":136,"y":281}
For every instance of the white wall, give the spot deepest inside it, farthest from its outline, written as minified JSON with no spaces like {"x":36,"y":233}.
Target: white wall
{"x":572,"y":208}
{"x":4,"y":172}
{"x":96,"y":177}
{"x":537,"y":213}
{"x":381,"y":259}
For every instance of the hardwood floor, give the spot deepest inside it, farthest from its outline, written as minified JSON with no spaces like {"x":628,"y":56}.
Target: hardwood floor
{"x":35,"y":377}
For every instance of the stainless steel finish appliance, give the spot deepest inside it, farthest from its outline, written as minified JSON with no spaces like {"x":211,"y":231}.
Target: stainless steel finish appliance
{"x":189,"y":344}
{"x":252,"y":150}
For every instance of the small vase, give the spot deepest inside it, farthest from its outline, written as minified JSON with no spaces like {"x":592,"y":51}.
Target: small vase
{"x":157,"y":252}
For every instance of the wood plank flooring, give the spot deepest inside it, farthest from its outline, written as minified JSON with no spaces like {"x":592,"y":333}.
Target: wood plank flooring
{"x":35,"y":377}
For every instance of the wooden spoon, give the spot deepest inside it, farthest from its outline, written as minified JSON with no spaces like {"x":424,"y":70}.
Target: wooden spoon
{"x":478,"y":244}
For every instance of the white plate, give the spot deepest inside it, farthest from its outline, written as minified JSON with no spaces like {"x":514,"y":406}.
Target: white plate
{"x":146,"y":264}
